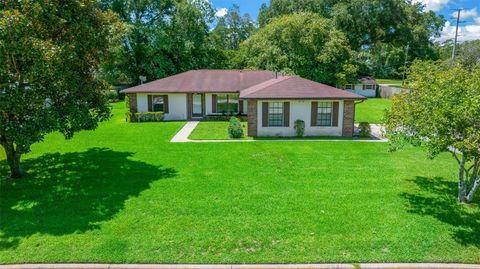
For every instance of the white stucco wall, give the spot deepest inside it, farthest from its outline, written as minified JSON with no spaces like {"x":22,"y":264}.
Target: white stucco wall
{"x":359,"y":90}
{"x":300,"y":110}
{"x":177,"y":105}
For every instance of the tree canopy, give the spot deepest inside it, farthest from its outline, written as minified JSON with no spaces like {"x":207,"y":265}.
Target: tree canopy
{"x":304,"y":44}
{"x":441,"y":114}
{"x":50,"y":52}
{"x":379,"y":31}
{"x":165,"y":38}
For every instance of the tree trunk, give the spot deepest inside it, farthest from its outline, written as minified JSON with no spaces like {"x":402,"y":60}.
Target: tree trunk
{"x":472,"y":191}
{"x":462,"y":186}
{"x":13,"y":160}
{"x":476,"y":180}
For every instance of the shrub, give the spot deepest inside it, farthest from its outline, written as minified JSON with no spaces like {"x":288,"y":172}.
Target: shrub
{"x":364,"y":129}
{"x":235,"y":129}
{"x":112,"y":95}
{"x":299,"y":126}
{"x":144,"y":116}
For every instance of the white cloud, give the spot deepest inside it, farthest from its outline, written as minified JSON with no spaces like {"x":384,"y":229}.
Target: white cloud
{"x":221,"y":12}
{"x":465,"y":32}
{"x":467,"y":13}
{"x":433,"y":5}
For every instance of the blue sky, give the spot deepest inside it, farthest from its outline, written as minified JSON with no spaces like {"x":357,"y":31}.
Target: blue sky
{"x":469,"y":30}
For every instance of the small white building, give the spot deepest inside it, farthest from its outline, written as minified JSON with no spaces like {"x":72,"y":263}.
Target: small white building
{"x":365,"y":86}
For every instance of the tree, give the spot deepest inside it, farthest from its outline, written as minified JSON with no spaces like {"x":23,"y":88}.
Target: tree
{"x":165,"y":38}
{"x":378,"y":30}
{"x":441,"y":114}
{"x":467,"y":53}
{"x":304,"y":44}
{"x":233,"y":28}
{"x":49,"y":57}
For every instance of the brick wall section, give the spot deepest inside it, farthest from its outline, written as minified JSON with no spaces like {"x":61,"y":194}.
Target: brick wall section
{"x":252,"y":117}
{"x":348,"y":118}
{"x":132,"y":102}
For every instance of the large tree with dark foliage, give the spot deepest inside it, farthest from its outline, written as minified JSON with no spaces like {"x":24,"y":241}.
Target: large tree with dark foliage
{"x":49,"y":57}
{"x":378,"y":30}
{"x":233,"y":28}
{"x":304,"y":44}
{"x":165,"y":37}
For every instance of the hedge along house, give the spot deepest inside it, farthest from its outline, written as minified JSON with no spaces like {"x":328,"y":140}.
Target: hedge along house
{"x":271,"y":103}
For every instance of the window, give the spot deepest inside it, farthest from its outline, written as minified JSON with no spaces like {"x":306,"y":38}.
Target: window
{"x":275,"y":114}
{"x":324,"y":114}
{"x":349,"y":87}
{"x":158,"y":104}
{"x":368,"y":87}
{"x":227,"y":103}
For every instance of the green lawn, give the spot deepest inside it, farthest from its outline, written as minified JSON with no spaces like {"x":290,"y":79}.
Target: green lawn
{"x":214,"y":130}
{"x":392,"y":82}
{"x":372,"y":110}
{"x":123,"y":193}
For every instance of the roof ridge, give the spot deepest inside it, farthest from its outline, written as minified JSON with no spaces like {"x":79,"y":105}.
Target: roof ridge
{"x":263,"y":85}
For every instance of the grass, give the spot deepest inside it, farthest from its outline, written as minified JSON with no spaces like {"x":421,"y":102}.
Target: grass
{"x":372,"y":110}
{"x":124,"y":194}
{"x":215,"y":130}
{"x":398,"y":83}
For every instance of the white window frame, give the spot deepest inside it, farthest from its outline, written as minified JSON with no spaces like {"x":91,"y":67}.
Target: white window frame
{"x":321,"y":108}
{"x":276,"y":106}
{"x":155,"y":101}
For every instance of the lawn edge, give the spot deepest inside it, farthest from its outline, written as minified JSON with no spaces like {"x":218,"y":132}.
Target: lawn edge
{"x":245,"y":266}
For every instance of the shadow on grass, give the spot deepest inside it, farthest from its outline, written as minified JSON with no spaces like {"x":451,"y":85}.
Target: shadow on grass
{"x":437,"y":198}
{"x":71,"y":193}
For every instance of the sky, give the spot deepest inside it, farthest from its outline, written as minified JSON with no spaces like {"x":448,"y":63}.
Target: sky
{"x":469,"y":29}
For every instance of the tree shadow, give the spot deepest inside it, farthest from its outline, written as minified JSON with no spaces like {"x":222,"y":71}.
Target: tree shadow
{"x":71,"y":193}
{"x":436,"y":197}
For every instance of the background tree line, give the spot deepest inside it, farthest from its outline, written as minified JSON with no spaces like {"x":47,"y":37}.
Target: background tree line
{"x":166,"y":37}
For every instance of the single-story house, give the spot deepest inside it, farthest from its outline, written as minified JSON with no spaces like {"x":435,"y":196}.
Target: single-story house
{"x":365,"y":86}
{"x":271,"y":102}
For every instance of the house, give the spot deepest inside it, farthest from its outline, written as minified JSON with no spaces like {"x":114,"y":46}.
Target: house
{"x":365,"y":86}
{"x":271,"y":102}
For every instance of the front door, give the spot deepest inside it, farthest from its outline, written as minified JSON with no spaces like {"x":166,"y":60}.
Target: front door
{"x":197,"y":105}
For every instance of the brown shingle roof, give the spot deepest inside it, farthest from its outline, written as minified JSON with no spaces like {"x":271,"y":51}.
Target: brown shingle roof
{"x":290,"y":87}
{"x":249,"y":83}
{"x":205,"y":81}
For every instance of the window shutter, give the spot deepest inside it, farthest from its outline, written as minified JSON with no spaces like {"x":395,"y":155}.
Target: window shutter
{"x":363,"y":86}
{"x":335,"y":114}
{"x":214,"y":103}
{"x":286,"y":114}
{"x":165,"y":103}
{"x":313,"y":116}
{"x":265,"y":114}
{"x":240,"y":106}
{"x":150,"y":100}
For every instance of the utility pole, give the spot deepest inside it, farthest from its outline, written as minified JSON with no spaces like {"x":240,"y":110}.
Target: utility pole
{"x":456,"y":34}
{"x":405,"y":63}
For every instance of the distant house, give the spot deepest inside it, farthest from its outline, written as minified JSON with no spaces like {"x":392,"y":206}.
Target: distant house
{"x":270,"y":102}
{"x":365,"y":86}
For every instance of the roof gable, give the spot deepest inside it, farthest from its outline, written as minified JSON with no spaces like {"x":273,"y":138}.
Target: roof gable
{"x":291,"y":87}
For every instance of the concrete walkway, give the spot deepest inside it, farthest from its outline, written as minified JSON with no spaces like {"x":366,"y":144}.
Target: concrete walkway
{"x":187,"y":129}
{"x":247,"y":266}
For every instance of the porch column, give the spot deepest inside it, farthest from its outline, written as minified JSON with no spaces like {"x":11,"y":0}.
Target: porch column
{"x":348,"y":118}
{"x":252,"y":117}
